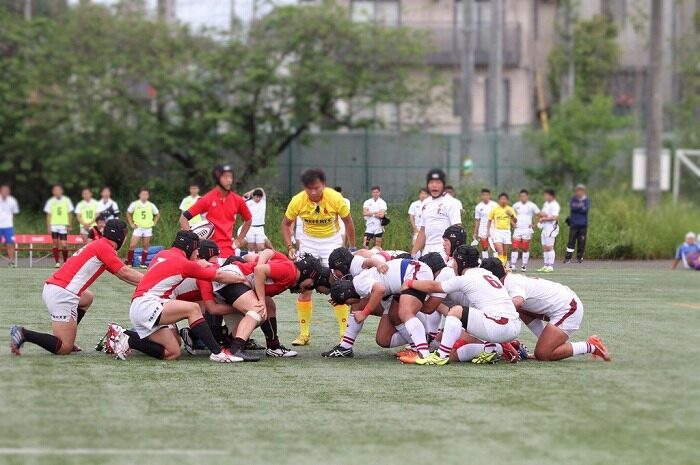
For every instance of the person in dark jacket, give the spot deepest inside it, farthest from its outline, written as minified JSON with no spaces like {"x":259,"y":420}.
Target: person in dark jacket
{"x":578,"y":224}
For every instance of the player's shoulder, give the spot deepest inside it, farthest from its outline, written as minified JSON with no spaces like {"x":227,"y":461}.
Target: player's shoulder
{"x":333,"y":195}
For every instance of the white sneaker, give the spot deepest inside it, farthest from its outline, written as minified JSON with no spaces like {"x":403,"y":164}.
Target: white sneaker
{"x":117,"y":342}
{"x":523,"y":268}
{"x":281,"y":351}
{"x":224,"y":356}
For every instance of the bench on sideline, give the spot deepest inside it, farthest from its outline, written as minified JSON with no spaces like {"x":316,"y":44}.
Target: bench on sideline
{"x":42,"y":245}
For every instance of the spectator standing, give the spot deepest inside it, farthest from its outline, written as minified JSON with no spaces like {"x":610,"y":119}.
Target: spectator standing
{"x":143,"y":215}
{"x":107,"y":206}
{"x":414,"y":211}
{"x":8,"y":208}
{"x":578,"y":224}
{"x":190,"y":200}
{"x":374,"y":211}
{"x":58,"y":211}
{"x":86,"y":212}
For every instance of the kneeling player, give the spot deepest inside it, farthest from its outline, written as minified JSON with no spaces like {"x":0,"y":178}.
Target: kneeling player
{"x":152,"y":310}
{"x":66,"y":293}
{"x":540,"y":300}
{"x":490,"y":316}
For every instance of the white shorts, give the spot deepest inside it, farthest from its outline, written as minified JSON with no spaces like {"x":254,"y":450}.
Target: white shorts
{"x":142,"y":232}
{"x":144,"y":313}
{"x":549,"y":234}
{"x":523,"y":234}
{"x":490,"y":328}
{"x":59,"y":229}
{"x":501,"y":236}
{"x":320,"y":248}
{"x":569,"y":318}
{"x":61,"y":304}
{"x":256,"y":235}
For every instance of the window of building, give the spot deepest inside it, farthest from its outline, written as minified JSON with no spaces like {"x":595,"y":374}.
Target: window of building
{"x":386,"y":12}
{"x":505,"y":112}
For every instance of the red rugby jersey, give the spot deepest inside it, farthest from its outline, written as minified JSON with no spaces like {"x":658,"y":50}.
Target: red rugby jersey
{"x":167,"y":270}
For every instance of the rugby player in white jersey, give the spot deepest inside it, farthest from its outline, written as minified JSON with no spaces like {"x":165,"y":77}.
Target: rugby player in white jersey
{"x":414,"y":211}
{"x":552,"y":311}
{"x":526,"y":211}
{"x":549,"y":224}
{"x":481,"y":220}
{"x":439,"y":211}
{"x":486,"y":311}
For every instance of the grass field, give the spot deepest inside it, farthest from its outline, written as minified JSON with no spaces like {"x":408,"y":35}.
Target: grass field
{"x":643,"y":408}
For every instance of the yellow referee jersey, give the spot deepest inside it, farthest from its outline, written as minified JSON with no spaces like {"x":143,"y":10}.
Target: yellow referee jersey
{"x":501,"y":216}
{"x":318,"y":219}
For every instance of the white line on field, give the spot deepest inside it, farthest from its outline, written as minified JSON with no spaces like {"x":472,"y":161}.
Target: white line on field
{"x":97,"y":451}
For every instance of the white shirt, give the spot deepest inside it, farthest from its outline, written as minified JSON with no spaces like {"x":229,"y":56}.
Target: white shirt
{"x":525,"y":212}
{"x":102,"y":206}
{"x":481,"y":213}
{"x":392,"y":279}
{"x":257,"y":210}
{"x":541,"y":296}
{"x":413,"y":208}
{"x":444,"y":275}
{"x":8,"y":208}
{"x":438,"y":214}
{"x":550,"y":209}
{"x":374,"y":225}
{"x":459,"y":202}
{"x":483,"y":291}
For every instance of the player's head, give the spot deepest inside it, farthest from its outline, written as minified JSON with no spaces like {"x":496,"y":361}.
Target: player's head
{"x":223,"y":176}
{"x":423,"y":194}
{"x":434,"y":261}
{"x":435,"y":182}
{"x":314,"y":181}
{"x":495,"y":266}
{"x":57,"y":190}
{"x":115,"y":230}
{"x":106,"y":193}
{"x":143,"y":194}
{"x":524,"y":195}
{"x":188,"y":242}
{"x":339,"y":261}
{"x":101,"y":221}
{"x":503,"y":199}
{"x":194,"y":190}
{"x":86,"y":193}
{"x":690,"y":237}
{"x":376,"y":192}
{"x":309,"y":270}
{"x":453,"y":237}
{"x":324,"y":281}
{"x":343,"y":292}
{"x":4,"y":190}
{"x":465,"y":257}
{"x":208,"y":249}
{"x":485,"y":195}
{"x":549,"y":195}
{"x":580,"y":191}
{"x":450,"y":189}
{"x":257,"y":195}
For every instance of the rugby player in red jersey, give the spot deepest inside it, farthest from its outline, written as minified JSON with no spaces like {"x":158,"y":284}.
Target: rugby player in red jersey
{"x":66,"y":293}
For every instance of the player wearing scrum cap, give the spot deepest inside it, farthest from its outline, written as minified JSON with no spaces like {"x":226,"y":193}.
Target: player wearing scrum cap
{"x":320,"y":209}
{"x":552,"y":311}
{"x":66,"y":293}
{"x":152,"y":311}
{"x":439,"y":211}
{"x":487,"y":312}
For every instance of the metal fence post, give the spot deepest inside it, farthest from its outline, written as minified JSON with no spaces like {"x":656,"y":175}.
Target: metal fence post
{"x":366,"y":147}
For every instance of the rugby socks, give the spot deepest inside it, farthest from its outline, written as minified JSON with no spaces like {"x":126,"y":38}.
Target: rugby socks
{"x":149,"y":348}
{"x":46,"y":341}
{"x":485,"y":254}
{"x":351,"y":331}
{"x":304,"y":310}
{"x":341,"y":316}
{"x":526,"y":258}
{"x":469,"y":351}
{"x":398,"y":340}
{"x":81,"y":314}
{"x":269,"y":329}
{"x":65,"y":254}
{"x":130,"y":258}
{"x":144,"y":256}
{"x":417,"y":331}
{"x":514,"y":258}
{"x":401,"y":329}
{"x":55,"y":254}
{"x":536,"y":326}
{"x":201,"y":330}
{"x":237,"y":344}
{"x":450,"y":334}
{"x":549,"y":258}
{"x":583,"y":347}
{"x":433,"y":324}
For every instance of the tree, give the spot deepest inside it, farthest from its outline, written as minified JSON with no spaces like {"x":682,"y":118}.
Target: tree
{"x":687,"y":111}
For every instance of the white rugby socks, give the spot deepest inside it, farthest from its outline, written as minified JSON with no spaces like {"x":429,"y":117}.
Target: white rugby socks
{"x":582,"y":347}
{"x":514,"y":258}
{"x":351,"y":331}
{"x":417,"y":331}
{"x":450,"y":334}
{"x":469,"y":351}
{"x":526,"y":258}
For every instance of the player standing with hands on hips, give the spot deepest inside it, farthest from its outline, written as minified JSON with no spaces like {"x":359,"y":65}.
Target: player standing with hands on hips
{"x":578,"y":224}
{"x":319,"y":208}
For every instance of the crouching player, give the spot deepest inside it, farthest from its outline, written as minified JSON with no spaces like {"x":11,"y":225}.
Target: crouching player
{"x":152,"y":311}
{"x":66,"y":293}
{"x":489,"y":316}
{"x":539,"y":301}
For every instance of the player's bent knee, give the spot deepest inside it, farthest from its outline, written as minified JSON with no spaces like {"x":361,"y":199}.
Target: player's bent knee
{"x":543,"y":355}
{"x":255,"y":316}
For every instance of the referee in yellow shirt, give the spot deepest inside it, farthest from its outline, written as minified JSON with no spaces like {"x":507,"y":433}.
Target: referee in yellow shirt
{"x":503,"y":216}
{"x":319,"y":208}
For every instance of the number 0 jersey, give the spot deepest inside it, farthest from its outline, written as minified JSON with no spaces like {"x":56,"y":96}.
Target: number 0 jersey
{"x":482,"y":290}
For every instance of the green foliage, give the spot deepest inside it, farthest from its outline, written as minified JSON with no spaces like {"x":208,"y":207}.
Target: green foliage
{"x":595,"y":54}
{"x":687,"y":111}
{"x":582,"y":140}
{"x":106,"y":96}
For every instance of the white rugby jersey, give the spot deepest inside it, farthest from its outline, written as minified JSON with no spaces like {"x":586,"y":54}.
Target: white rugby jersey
{"x":393,"y":279}
{"x":481,"y":213}
{"x":444,"y":275}
{"x":257,"y":211}
{"x":413,"y":208}
{"x":436,"y":215}
{"x":550,"y":209}
{"x":525,"y":212}
{"x":483,"y":291}
{"x":373,"y":225}
{"x":542,"y":297}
